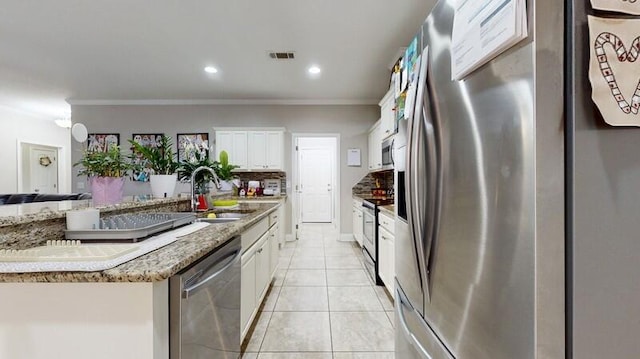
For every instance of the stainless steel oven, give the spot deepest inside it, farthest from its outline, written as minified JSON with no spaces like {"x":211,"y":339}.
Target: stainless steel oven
{"x":370,"y":241}
{"x":205,"y":306}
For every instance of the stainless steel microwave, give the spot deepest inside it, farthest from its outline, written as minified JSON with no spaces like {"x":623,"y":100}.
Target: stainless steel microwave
{"x":387,"y":154}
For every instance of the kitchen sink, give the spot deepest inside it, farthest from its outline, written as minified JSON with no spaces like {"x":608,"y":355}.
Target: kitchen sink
{"x":217,"y":220}
{"x":224,"y":217}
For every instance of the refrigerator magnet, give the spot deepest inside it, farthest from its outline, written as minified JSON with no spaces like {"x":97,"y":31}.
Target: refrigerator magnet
{"x":613,"y":70}
{"x":625,"y":6}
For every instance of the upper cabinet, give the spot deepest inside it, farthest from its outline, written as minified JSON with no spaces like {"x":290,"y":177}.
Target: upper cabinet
{"x":261,"y":149}
{"x":235,"y":143}
{"x":266,"y":150}
{"x":387,"y":115}
{"x":375,"y":146}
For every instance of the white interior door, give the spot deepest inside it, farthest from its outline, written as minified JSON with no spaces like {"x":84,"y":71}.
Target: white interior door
{"x":43,"y":170}
{"x":316,"y":185}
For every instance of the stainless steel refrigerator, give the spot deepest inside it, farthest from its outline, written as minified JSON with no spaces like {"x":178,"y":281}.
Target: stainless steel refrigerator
{"x":480,"y":255}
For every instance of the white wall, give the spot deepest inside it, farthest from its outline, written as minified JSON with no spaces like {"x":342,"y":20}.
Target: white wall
{"x":351,"y":122}
{"x":18,"y":126}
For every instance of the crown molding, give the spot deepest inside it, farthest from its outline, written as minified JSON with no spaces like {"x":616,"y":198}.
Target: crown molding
{"x":237,"y":102}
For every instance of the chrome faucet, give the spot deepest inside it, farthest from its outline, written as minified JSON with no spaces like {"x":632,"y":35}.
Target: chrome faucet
{"x":216,"y":181}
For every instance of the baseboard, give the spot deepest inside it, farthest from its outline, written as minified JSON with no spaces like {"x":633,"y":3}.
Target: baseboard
{"x":346,"y":237}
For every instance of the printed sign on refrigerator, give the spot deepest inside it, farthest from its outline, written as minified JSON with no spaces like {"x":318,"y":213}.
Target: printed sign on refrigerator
{"x":613,"y":69}
{"x":483,"y":29}
{"x":626,"y":6}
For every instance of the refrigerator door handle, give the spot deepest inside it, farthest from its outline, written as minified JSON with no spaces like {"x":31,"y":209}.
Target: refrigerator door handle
{"x":413,"y":215}
{"x":416,"y":196}
{"x":433,"y":176}
{"x":402,"y":304}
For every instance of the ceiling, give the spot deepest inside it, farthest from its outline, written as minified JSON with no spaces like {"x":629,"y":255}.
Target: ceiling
{"x":154,"y":51}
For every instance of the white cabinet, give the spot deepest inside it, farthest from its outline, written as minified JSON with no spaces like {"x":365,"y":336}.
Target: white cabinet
{"x":387,"y":115}
{"x":256,"y":273}
{"x":357,"y":222}
{"x":247,"y":290}
{"x":235,"y":143}
{"x":263,"y":265}
{"x":265,"y":150}
{"x":386,"y":251}
{"x":375,"y":147}
{"x":261,"y":149}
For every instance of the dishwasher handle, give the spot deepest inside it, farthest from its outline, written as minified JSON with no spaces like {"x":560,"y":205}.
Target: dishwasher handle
{"x":188,"y":292}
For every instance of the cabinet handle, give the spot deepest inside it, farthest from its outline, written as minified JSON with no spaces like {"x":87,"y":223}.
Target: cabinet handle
{"x":259,"y":250}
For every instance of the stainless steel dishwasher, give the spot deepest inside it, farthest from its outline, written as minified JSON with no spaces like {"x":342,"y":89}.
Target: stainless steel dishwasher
{"x":204,"y":302}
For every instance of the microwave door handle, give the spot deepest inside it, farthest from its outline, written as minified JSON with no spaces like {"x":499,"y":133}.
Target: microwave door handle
{"x":391,"y":152}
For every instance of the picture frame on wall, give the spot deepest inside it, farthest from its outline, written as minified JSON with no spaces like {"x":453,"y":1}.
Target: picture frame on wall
{"x":190,"y":144}
{"x":101,"y":142}
{"x":150,"y":140}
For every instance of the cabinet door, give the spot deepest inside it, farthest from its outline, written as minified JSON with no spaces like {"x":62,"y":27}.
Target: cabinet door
{"x":387,"y":115}
{"x":235,"y":143}
{"x":263,"y":263}
{"x":257,"y":144}
{"x":357,"y":225}
{"x":385,"y":256}
{"x":375,"y":147}
{"x":274,"y":150}
{"x":248,"y":290}
{"x":274,"y":243}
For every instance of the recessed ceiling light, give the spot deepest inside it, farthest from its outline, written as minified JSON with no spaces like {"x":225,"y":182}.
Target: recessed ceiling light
{"x":314,"y":70}
{"x":210,"y":70}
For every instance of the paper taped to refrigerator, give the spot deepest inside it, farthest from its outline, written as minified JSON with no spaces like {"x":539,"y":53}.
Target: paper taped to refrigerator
{"x":613,"y":69}
{"x":483,"y":29}
{"x":625,"y":6}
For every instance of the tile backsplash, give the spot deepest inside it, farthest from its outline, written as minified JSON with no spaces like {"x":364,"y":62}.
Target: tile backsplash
{"x":261,"y":176}
{"x":368,"y":182}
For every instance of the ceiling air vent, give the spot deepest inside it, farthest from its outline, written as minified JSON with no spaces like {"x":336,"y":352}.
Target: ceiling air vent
{"x":282,"y":55}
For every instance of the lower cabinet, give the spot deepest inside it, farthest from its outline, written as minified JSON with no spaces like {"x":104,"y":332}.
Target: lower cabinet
{"x":386,"y":253}
{"x":247,"y":290}
{"x":358,"y":222}
{"x":255,"y":276}
{"x":259,"y":264}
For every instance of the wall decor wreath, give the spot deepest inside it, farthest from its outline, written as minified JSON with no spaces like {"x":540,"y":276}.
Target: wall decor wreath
{"x":45,"y":161}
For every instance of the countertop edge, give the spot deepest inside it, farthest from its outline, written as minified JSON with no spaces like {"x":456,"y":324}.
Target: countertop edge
{"x":142,"y":269}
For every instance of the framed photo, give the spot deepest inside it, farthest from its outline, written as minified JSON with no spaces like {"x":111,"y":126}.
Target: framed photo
{"x":195,"y":142}
{"x":102,"y":141}
{"x":146,"y":140}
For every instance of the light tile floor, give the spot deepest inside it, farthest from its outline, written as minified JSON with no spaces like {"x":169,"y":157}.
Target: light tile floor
{"x":322,"y":304}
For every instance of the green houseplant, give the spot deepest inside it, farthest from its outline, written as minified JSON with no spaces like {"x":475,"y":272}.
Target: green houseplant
{"x":162,"y":164}
{"x":224,"y":170}
{"x":105,"y":171}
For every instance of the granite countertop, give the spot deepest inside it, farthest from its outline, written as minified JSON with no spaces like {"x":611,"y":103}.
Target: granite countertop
{"x":251,"y":198}
{"x":14,"y":214}
{"x":388,"y":209}
{"x":161,"y":263}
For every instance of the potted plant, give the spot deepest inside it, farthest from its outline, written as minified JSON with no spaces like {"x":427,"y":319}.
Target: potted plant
{"x":162,"y":164}
{"x":106,"y":171}
{"x":196,"y":156}
{"x":223,"y":171}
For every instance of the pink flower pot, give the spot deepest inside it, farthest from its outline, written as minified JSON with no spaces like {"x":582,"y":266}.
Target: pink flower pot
{"x":106,"y":190}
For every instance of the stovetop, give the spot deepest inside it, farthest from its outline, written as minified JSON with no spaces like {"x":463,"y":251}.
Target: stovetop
{"x":379,"y":201}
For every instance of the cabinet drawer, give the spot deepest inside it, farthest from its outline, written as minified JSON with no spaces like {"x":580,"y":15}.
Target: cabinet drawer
{"x":274,"y":218}
{"x":251,"y":235}
{"x":386,"y":222}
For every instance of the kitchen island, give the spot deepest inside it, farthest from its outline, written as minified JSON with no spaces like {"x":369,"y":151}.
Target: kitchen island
{"x":121,"y":312}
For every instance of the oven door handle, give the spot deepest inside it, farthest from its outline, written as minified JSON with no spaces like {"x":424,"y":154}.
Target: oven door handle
{"x":188,"y":292}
